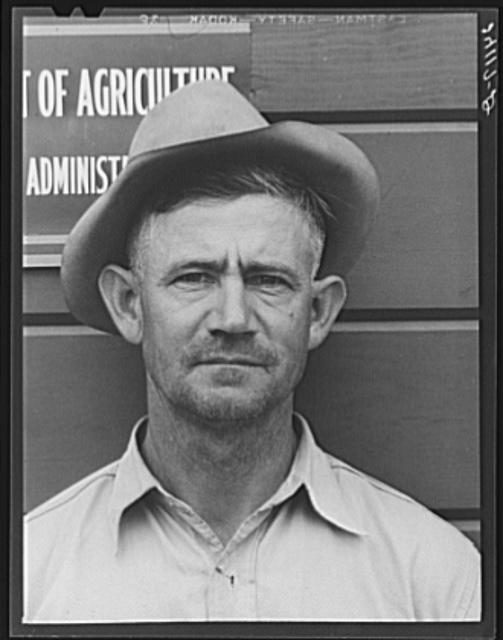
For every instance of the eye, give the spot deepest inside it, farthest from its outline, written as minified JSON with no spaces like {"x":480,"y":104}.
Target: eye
{"x":193,"y":279}
{"x":268,"y":281}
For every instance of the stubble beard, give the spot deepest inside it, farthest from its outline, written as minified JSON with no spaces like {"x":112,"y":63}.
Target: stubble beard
{"x":224,"y":397}
{"x":223,"y":407}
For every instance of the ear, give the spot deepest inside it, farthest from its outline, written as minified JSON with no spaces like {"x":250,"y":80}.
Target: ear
{"x":329,"y":296}
{"x":120,"y":293}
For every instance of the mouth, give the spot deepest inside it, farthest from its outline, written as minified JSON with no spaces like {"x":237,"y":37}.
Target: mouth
{"x":236,"y":362}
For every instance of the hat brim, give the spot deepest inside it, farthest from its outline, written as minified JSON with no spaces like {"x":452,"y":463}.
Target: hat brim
{"x":328,"y":162}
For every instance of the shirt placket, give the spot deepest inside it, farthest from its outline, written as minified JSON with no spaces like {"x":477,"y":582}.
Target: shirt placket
{"x":232,"y":585}
{"x":231,"y":589}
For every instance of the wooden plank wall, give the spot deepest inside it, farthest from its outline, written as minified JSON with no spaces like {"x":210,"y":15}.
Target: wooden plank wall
{"x":408,"y":61}
{"x":395,"y":389}
{"x":423,"y":252}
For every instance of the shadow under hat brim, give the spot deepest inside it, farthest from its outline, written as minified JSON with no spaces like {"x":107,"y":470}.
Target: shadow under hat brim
{"x":328,"y":162}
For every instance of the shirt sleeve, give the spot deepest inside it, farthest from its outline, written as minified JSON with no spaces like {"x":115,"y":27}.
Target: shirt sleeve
{"x":470,"y":607}
{"x":448,"y":578}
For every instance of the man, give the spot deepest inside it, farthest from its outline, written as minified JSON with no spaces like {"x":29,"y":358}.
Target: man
{"x":221,"y":251}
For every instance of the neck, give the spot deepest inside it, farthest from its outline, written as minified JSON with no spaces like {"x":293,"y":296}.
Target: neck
{"x":224,"y":471}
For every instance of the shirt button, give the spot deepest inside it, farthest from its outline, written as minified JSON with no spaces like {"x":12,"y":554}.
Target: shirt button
{"x":230,"y":576}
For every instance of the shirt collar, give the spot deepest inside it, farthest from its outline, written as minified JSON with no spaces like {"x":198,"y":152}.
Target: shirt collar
{"x":315,"y":469}
{"x":311,"y":468}
{"x":133,"y":479}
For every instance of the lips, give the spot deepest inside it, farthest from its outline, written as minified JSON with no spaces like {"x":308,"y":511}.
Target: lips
{"x":236,"y":361}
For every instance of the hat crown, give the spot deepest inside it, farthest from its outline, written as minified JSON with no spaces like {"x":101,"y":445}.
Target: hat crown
{"x":195,"y":112}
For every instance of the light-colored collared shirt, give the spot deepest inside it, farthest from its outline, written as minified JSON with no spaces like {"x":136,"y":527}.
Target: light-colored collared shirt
{"x":330,"y":544}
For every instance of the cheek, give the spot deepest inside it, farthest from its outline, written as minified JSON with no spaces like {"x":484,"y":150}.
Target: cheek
{"x":299,"y":317}
{"x":293,"y":308}
{"x":295,"y":332}
{"x":159,"y":318}
{"x":159,"y":338}
{"x":173,"y":315}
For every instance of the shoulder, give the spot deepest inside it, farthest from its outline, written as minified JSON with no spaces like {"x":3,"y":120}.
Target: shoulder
{"x":442,"y":562}
{"x":71,"y":504}
{"x":55,"y":531}
{"x":379,"y":505}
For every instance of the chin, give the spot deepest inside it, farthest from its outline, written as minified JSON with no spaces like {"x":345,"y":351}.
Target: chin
{"x":227,"y":405}
{"x":229,"y":409}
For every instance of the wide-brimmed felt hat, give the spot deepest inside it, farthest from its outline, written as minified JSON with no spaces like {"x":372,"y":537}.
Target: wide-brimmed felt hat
{"x":211,"y":126}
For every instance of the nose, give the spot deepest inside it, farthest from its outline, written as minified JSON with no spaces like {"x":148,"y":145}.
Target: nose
{"x":232,"y":312}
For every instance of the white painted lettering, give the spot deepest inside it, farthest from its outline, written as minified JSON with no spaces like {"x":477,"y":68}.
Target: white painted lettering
{"x":85,"y":98}
{"x":26,"y":77}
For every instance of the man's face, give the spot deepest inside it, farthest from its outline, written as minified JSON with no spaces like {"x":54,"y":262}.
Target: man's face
{"x":226,"y":301}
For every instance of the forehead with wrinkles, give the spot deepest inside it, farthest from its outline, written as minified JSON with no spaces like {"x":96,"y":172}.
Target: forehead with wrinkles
{"x":245,"y":230}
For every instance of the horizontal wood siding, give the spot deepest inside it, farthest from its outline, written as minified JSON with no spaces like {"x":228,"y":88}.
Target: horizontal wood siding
{"x":471,"y":529}
{"x":82,"y":396}
{"x":423,"y":250}
{"x":401,"y":405}
{"x":397,"y":399}
{"x":42,"y":291}
{"x":408,"y":61}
